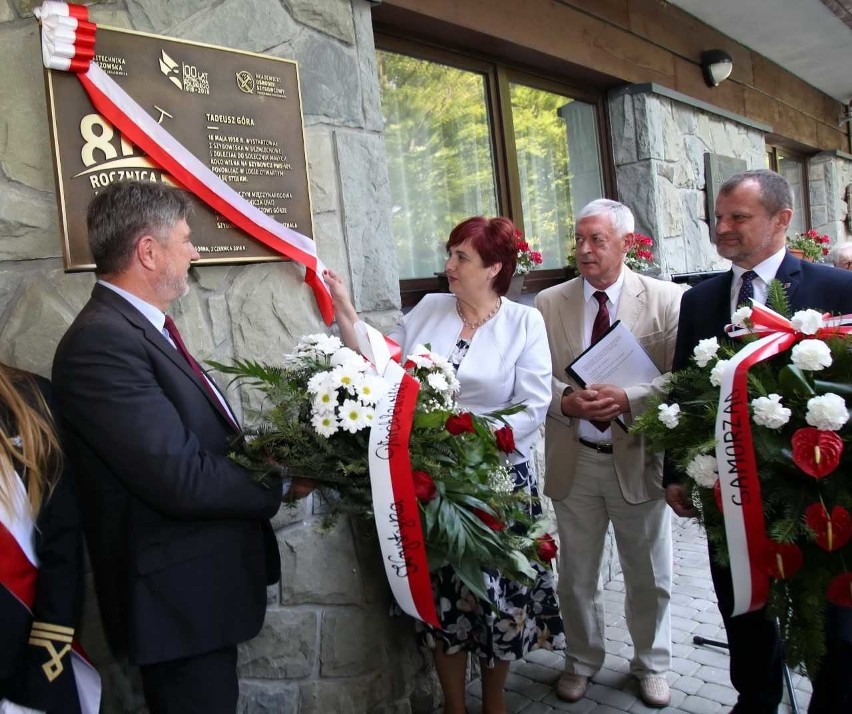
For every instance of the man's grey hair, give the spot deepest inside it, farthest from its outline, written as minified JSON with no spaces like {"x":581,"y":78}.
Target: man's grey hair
{"x":620,"y":215}
{"x":124,"y":212}
{"x":841,"y":253}
{"x":776,"y":193}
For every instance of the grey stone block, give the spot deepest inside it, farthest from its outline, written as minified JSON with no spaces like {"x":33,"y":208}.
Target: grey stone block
{"x":700,"y":705}
{"x":332,"y":17}
{"x":350,"y":642}
{"x":268,"y":698}
{"x":284,"y":649}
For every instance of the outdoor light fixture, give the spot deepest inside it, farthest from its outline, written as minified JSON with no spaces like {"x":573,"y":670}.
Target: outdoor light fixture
{"x":716,"y":65}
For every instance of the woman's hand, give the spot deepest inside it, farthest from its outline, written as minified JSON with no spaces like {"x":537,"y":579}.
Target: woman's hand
{"x":340,"y":294}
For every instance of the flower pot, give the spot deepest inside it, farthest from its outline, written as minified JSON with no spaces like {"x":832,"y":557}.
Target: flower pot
{"x":516,"y":287}
{"x":800,"y":254}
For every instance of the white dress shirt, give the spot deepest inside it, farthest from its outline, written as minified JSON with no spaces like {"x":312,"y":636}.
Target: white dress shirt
{"x":765,"y":275}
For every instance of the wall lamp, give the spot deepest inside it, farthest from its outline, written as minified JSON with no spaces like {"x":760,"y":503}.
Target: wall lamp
{"x":716,"y":66}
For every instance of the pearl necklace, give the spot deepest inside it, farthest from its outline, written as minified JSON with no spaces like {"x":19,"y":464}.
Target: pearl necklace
{"x":475,"y":325}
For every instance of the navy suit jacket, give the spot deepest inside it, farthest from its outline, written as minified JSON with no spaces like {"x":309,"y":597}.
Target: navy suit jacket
{"x":706,"y":308}
{"x":179,"y":536}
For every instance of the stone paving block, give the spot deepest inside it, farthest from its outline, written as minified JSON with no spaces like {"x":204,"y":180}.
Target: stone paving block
{"x":537,"y":708}
{"x":710,"y":615}
{"x":688,"y":685}
{"x":712,"y":657}
{"x":617,"y":634}
{"x":620,"y":649}
{"x":711,"y":632}
{"x":615,"y":586}
{"x":615,"y":619}
{"x":695,"y":590}
{"x":684,"y":667}
{"x":681,"y":636}
{"x":718,"y":693}
{"x":473,"y":705}
{"x":537,"y":672}
{"x":616,"y":663}
{"x":686,"y":611}
{"x":611,"y":697}
{"x":687,"y":624}
{"x":546,"y":658}
{"x":713,"y":674}
{"x":606,"y":709}
{"x":682,"y":650}
{"x":531,"y":690}
{"x":611,"y":678}
{"x":584,"y":706}
{"x":515,"y":702}
{"x":700,"y":705}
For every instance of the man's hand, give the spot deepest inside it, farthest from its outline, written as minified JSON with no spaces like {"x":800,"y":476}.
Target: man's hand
{"x":598,"y":402}
{"x":299,"y":488}
{"x":677,"y":496}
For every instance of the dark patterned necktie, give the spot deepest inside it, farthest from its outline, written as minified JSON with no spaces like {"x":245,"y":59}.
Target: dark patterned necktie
{"x":599,"y":328}
{"x":746,"y":289}
{"x":172,"y":329}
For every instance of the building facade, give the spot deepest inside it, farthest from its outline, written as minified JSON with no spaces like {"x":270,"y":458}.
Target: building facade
{"x":417,"y":114}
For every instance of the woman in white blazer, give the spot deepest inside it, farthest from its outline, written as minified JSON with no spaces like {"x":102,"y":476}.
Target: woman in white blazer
{"x":500,"y":352}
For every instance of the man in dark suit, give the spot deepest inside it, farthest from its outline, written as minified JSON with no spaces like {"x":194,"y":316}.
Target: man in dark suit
{"x":753,"y":213}
{"x":179,"y":536}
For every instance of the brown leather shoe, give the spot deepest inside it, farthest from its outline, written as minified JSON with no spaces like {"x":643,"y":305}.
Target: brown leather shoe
{"x":655,"y":691}
{"x":571,"y":687}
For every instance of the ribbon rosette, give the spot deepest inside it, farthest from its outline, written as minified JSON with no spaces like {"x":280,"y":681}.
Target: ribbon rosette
{"x":68,"y":43}
{"x":745,"y":528}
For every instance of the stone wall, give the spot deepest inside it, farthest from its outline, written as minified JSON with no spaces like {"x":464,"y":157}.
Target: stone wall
{"x":328,"y":644}
{"x":830,"y":184}
{"x":659,"y":142}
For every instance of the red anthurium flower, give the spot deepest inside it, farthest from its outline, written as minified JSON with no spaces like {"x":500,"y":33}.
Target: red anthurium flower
{"x":489,"y":520}
{"x":424,"y":486}
{"x":782,"y":560}
{"x":832,"y":530}
{"x":816,"y":452}
{"x":460,"y":423}
{"x":546,"y":547}
{"x":505,"y":439}
{"x":840,"y":590}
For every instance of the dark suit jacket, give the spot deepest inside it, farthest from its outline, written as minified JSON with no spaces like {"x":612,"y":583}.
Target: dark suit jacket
{"x":706,"y":308}
{"x":179,"y":537}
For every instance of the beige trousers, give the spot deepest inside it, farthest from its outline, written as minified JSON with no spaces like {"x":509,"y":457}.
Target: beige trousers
{"x":644,"y":541}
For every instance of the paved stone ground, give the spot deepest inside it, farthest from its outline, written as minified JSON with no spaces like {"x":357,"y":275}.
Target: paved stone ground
{"x":699,"y":676}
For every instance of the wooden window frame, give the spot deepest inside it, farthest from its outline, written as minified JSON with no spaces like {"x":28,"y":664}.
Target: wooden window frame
{"x":499,"y":74}
{"x":772,"y":150}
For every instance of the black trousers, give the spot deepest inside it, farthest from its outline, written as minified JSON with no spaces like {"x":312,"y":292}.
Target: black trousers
{"x":757,"y":655}
{"x":203,"y":684}
{"x":833,"y":683}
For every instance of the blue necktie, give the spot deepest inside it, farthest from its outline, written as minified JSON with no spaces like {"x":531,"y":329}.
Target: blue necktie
{"x":746,"y":289}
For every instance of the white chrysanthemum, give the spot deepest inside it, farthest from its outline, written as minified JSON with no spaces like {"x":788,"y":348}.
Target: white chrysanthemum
{"x":807,"y":321}
{"x":827,"y":412}
{"x":321,"y":382}
{"x":369,"y":416}
{"x":352,"y":415}
{"x":768,"y":411}
{"x":438,"y":382}
{"x":325,"y":424}
{"x":422,"y":360}
{"x":347,"y":376}
{"x":812,"y":355}
{"x":669,"y":414}
{"x":344,"y":355}
{"x":705,"y":350}
{"x":371,"y":388}
{"x":703,"y":470}
{"x":741,"y":317}
{"x":716,"y":372}
{"x":327,"y":344}
{"x":501,"y":481}
{"x":324,"y":402}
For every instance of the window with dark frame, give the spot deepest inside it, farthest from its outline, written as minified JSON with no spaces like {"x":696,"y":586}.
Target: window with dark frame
{"x":793,"y":167}
{"x":467,"y":136}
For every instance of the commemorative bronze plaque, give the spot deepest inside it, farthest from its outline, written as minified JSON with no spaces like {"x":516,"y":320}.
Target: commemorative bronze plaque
{"x":238,"y":113}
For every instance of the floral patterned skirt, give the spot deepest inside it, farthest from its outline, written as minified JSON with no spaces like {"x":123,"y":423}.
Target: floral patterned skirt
{"x":525,"y":618}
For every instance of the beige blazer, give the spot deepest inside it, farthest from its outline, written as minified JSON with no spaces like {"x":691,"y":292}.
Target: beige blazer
{"x":650,"y":308}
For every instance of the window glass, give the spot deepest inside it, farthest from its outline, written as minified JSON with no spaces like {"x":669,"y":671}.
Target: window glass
{"x":440,"y":158}
{"x":793,"y":169}
{"x":558,"y":158}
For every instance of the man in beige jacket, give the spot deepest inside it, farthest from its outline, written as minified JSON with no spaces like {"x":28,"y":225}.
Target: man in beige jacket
{"x":597,"y":473}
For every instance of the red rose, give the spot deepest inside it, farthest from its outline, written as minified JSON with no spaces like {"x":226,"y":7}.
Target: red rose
{"x":489,"y":520}
{"x":816,"y":452}
{"x":505,"y":439}
{"x":546,"y":547}
{"x":424,"y":486}
{"x":782,"y":560}
{"x":460,"y":423}
{"x":523,"y":246}
{"x":831,"y":530}
{"x":840,"y":590}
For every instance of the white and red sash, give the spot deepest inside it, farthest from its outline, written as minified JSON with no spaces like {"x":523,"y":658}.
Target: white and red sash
{"x":396,"y":509}
{"x":19,"y":575}
{"x":68,"y":44}
{"x":742,"y":505}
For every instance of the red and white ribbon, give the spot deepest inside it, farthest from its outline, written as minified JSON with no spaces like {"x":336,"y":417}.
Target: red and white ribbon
{"x":396,"y":509}
{"x":117,"y":107}
{"x":19,"y":575}
{"x":742,"y":505}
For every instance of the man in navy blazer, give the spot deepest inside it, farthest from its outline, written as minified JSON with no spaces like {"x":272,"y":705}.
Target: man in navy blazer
{"x":753,"y":213}
{"x":179,"y":536}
